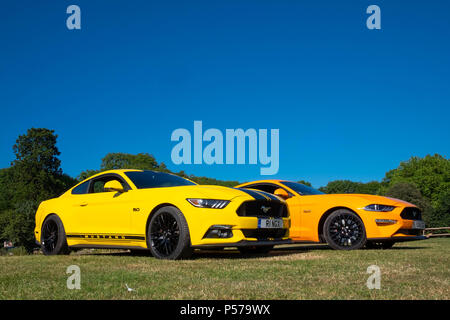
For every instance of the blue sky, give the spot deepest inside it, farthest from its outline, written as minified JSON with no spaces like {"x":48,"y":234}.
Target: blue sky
{"x":350,"y":103}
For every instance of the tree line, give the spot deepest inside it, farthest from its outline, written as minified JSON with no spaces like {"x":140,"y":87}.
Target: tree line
{"x":36,"y":175}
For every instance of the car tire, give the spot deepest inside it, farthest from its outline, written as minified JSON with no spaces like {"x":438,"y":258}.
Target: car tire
{"x":168,"y":235}
{"x":379,"y":245}
{"x":255,"y":249}
{"x":53,"y":236}
{"x":344,"y":230}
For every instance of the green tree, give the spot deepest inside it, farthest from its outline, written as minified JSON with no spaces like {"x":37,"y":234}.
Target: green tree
{"x":306,"y":183}
{"x":409,"y":192}
{"x":430,"y":174}
{"x":442,"y":210}
{"x":6,"y":193}
{"x":145,"y":161}
{"x":347,"y":186}
{"x":20,"y":224}
{"x":87,"y":173}
{"x":114,"y":161}
{"x":140,"y":161}
{"x":36,"y":170}
{"x":340,"y":186}
{"x":34,"y":176}
{"x":212,"y":181}
{"x":372,"y":187}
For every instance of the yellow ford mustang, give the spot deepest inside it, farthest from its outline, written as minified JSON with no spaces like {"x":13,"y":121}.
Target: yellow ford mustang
{"x":161,"y":212}
{"x":345,"y":221}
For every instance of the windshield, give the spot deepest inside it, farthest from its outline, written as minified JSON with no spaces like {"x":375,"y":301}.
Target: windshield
{"x":152,"y":179}
{"x":301,"y":189}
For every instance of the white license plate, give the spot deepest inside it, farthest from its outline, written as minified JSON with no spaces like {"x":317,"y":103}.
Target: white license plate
{"x":418,"y":224}
{"x":270,"y":223}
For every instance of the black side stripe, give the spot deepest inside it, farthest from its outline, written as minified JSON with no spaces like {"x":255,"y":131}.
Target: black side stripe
{"x":271,"y":196}
{"x":253,"y":194}
{"x":103,"y":236}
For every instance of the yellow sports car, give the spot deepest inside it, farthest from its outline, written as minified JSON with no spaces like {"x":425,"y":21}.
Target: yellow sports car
{"x":345,"y":221}
{"x":164,"y":213}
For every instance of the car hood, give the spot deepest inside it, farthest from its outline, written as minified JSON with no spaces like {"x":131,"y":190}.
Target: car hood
{"x":217,"y":192}
{"x":204,"y":191}
{"x":365,"y":199}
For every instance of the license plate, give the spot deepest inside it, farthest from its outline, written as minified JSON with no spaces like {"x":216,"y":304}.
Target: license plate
{"x":418,"y":224}
{"x":270,"y":223}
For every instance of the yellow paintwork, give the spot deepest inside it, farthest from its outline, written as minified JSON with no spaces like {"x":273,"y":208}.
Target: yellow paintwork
{"x":308,"y":213}
{"x":115,"y":215}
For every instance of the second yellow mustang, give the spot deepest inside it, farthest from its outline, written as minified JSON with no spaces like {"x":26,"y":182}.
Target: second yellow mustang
{"x":164,"y":213}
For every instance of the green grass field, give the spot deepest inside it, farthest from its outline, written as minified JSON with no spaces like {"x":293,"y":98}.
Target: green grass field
{"x":414,"y":270}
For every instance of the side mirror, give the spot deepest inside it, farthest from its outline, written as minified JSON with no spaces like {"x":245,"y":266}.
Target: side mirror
{"x":281,"y":193}
{"x":113,"y":185}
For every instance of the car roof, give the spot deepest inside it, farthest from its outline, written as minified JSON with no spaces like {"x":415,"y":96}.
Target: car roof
{"x":264,"y":181}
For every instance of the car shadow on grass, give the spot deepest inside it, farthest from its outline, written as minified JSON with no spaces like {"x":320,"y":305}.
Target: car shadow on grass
{"x":233,"y":253}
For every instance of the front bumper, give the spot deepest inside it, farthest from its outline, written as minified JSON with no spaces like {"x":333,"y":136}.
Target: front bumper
{"x":399,"y":239}
{"x":245,"y":243}
{"x":245,"y":231}
{"x":392,"y":225}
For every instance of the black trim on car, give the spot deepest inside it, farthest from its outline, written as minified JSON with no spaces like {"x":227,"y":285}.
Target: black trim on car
{"x":244,"y":243}
{"x":91,"y":182}
{"x":107,"y":236}
{"x":264,"y":234}
{"x":411,"y":213}
{"x":255,"y":185}
{"x":106,"y":246}
{"x":263,"y":208}
{"x":399,"y":239}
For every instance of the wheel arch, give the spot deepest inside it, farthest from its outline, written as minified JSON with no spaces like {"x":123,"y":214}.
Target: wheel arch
{"x":324,"y":217}
{"x":46,"y":216}
{"x":154,"y":210}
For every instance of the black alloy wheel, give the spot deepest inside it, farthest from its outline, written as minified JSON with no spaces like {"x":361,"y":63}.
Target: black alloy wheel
{"x":53,"y":236}
{"x":344,"y":230}
{"x":168,"y":235}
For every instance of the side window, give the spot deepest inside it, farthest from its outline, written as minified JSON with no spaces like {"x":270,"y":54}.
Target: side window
{"x":82,"y":188}
{"x":98,"y":184}
{"x":270,"y":188}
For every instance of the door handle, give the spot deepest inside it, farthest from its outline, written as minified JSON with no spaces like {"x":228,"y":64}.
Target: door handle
{"x":83,"y":204}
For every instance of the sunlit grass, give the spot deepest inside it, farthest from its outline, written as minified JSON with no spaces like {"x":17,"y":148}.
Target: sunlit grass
{"x":415,"y":270}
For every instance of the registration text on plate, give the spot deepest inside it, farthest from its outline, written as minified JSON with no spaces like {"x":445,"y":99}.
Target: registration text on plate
{"x":270,"y":223}
{"x":418,"y":224}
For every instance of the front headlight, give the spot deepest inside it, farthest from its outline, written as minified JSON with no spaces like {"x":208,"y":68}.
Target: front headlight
{"x":379,"y":208}
{"x":208,"y":203}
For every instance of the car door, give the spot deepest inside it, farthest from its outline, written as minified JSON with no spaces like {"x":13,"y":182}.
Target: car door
{"x":103,"y":213}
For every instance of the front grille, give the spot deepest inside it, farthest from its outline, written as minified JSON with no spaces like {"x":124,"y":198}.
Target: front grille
{"x":264,"y":234}
{"x":411,"y":213}
{"x":263,"y":208}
